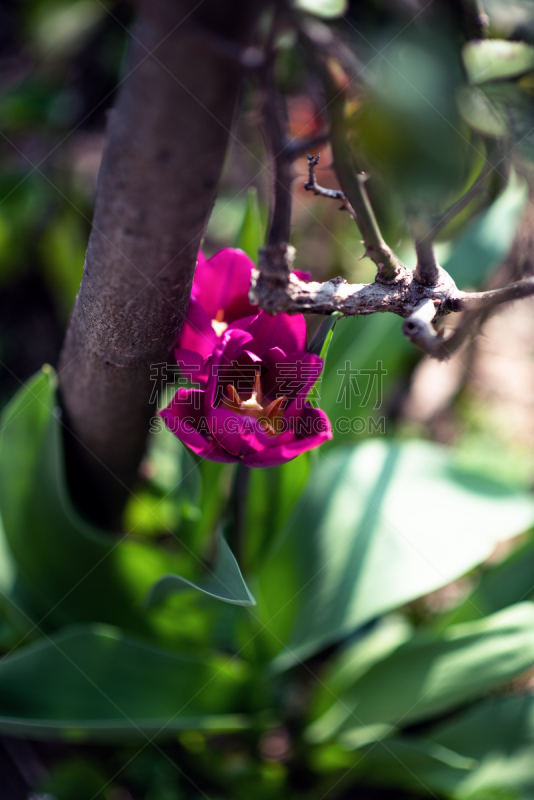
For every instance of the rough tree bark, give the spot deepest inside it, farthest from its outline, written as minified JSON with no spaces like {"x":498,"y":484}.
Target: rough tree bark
{"x":166,"y":145}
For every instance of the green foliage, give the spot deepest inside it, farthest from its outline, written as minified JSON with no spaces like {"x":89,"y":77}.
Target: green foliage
{"x":322,"y":8}
{"x":408,"y":126}
{"x":111,"y":639}
{"x":484,"y":243}
{"x":224,"y":581}
{"x":320,"y":341}
{"x":350,"y":390}
{"x":68,"y":571}
{"x":370,"y":534}
{"x":252,"y":234}
{"x":497,"y":59}
{"x":427,"y":675}
{"x":487,"y":752}
{"x":96,"y":683}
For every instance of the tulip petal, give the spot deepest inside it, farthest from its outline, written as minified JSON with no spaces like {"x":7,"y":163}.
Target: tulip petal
{"x":223,"y":282}
{"x":291,"y":376}
{"x":288,"y":332}
{"x":198,"y":333}
{"x":191,"y":365}
{"x":312,"y":429}
{"x":185,"y":417}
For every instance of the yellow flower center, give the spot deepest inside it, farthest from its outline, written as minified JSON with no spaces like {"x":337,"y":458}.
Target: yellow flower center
{"x":268,"y":415}
{"x":218,"y":324}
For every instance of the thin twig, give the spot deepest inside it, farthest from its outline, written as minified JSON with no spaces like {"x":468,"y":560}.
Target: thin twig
{"x":312,"y":186}
{"x":484,"y":300}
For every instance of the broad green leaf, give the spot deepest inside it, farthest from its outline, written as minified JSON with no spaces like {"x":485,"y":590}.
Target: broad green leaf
{"x":499,"y":735}
{"x":429,"y":675}
{"x":411,"y":763}
{"x":486,"y":753}
{"x":478,"y":250}
{"x":67,"y":570}
{"x":480,"y":113}
{"x":378,"y":526}
{"x":500,"y":585}
{"x":353,"y":661}
{"x":94,"y":683}
{"x":251,"y":236}
{"x":496,"y":59}
{"x":224,"y":582}
{"x":323,"y":8}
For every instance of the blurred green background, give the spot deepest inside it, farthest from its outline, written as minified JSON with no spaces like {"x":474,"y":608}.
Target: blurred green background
{"x":417,"y":625}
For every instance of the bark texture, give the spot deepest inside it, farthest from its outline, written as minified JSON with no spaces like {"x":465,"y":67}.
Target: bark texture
{"x":167,"y":141}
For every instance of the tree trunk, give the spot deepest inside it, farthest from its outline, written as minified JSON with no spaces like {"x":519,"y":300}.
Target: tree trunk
{"x":166,"y":145}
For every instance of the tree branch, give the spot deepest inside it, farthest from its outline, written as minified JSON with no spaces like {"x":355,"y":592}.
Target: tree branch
{"x":167,"y":140}
{"x":352,"y":183}
{"x":426,"y":270}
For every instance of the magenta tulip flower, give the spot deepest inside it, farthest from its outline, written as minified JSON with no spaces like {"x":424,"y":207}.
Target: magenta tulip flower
{"x":219,"y":298}
{"x":253,"y":407}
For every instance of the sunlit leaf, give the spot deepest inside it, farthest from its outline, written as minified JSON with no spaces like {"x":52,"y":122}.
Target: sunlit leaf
{"x":486,"y":753}
{"x":496,"y":59}
{"x":501,"y":585}
{"x":323,"y":335}
{"x":323,"y":8}
{"x":378,"y":525}
{"x":431,"y":674}
{"x":480,"y":113}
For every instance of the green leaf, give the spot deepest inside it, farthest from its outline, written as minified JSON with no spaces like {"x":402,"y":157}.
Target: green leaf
{"x":323,"y":8}
{"x":429,"y":675}
{"x":319,"y":346}
{"x":67,"y":570}
{"x":480,"y":113}
{"x":415,"y":764}
{"x":480,"y":248}
{"x":251,"y":236}
{"x":225,"y":582}
{"x":378,"y":526}
{"x":353,"y":661}
{"x":322,"y":337}
{"x":173,"y":471}
{"x":500,"y":585}
{"x":499,"y":735}
{"x":94,"y":683}
{"x":367,"y":358}
{"x":496,"y":59}
{"x":272,"y":494}
{"x":487,"y":753}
